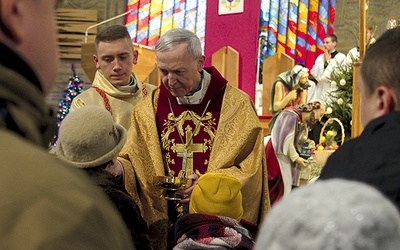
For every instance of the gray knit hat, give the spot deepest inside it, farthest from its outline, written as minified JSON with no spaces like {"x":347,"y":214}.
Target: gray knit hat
{"x":331,"y":215}
{"x":89,"y":137}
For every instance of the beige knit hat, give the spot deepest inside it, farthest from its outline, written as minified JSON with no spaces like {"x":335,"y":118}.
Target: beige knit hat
{"x":217,"y":194}
{"x":89,"y":137}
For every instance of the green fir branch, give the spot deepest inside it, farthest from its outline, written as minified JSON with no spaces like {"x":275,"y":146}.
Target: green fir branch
{"x":340,"y":100}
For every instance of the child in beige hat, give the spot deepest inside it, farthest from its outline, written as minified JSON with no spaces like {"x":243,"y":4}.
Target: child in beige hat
{"x":90,"y":139}
{"x":215,"y":212}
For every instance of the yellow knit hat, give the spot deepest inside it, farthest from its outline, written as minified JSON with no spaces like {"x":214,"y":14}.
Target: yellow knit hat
{"x":217,"y":194}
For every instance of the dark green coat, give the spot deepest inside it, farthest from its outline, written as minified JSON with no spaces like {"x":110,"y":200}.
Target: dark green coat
{"x":44,"y":203}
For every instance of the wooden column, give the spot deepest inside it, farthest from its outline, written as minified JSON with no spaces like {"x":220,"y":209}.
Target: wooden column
{"x":356,"y":127}
{"x":363,"y":28}
{"x":272,"y":67}
{"x":226,"y":61}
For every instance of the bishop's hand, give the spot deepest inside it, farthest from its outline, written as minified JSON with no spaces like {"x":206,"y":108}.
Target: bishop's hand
{"x":186,"y":193}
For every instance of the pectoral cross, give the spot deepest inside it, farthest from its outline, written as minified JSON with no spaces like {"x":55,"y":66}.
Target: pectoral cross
{"x":185,"y":155}
{"x":186,"y":151}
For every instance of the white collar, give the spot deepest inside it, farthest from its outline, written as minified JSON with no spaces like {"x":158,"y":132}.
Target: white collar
{"x":197,"y":96}
{"x":131,"y":87}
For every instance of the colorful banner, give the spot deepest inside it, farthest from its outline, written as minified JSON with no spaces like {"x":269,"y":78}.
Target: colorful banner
{"x":179,"y":14}
{"x":131,"y":20}
{"x":296,"y":27}
{"x":143,"y":22}
{"x":167,"y":16}
{"x":201,"y":20}
{"x":191,"y":14}
{"x":155,"y":22}
{"x":311,"y":47}
{"x":149,"y":19}
{"x":264,"y":18}
{"x":302,"y":33}
{"x":273,"y":27}
{"x":292,"y":28}
{"x":332,"y":16}
{"x":322,"y":28}
{"x":282,"y":25}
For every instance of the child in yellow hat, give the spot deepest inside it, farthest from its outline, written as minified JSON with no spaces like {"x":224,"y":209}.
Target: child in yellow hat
{"x":215,"y":212}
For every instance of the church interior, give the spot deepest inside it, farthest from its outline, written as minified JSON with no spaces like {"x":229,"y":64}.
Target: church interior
{"x":245,"y":53}
{"x":208,"y":124}
{"x":251,"y":44}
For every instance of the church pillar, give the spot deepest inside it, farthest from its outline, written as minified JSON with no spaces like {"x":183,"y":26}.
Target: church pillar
{"x":356,"y":127}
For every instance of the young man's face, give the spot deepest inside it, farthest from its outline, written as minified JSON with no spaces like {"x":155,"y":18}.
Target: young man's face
{"x":179,"y":71}
{"x":329,"y":45}
{"x":115,"y":60}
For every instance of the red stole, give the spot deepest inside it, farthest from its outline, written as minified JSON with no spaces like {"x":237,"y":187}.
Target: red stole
{"x":184,"y":120}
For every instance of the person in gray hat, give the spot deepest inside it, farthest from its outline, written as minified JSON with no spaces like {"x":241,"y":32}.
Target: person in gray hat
{"x":90,"y":139}
{"x":333,"y":214}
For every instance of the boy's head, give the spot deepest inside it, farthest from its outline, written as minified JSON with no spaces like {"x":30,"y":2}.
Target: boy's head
{"x":217,"y":194}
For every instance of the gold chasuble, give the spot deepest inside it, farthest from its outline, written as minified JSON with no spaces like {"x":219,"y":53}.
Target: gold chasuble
{"x":221,"y":134}
{"x":118,"y":102}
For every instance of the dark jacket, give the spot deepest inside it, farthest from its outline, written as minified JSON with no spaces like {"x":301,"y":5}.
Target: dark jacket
{"x":45,"y":204}
{"x":124,"y":203}
{"x":372,"y":158}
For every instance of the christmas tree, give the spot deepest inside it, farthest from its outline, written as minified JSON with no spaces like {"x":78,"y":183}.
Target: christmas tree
{"x":74,"y":88}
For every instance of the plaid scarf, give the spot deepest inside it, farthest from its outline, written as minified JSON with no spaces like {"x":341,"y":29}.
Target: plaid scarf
{"x":201,"y":231}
